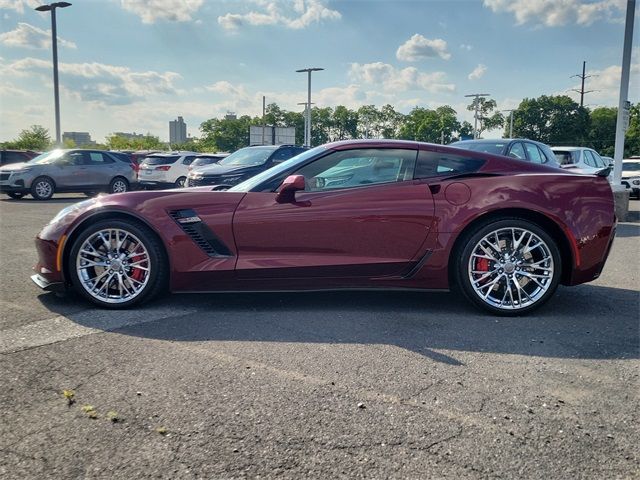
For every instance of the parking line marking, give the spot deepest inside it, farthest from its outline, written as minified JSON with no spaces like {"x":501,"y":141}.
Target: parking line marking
{"x":87,"y":322}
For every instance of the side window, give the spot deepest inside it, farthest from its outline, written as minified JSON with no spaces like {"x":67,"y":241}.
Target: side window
{"x":545,"y":157}
{"x":533,"y":152}
{"x":73,"y":159}
{"x":517,"y":151}
{"x":283,"y":154}
{"x":431,"y":164}
{"x":188,"y":160}
{"x":356,"y":168}
{"x":97,"y":159}
{"x":14,"y":157}
{"x":589,"y":159}
{"x":599,"y":160}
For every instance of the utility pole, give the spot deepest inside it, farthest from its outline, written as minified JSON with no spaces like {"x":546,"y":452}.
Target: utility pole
{"x":307,"y":129}
{"x":54,"y":44}
{"x":264,"y":110}
{"x":307,"y":107}
{"x":622,"y":122}
{"x":510,"y":120}
{"x":582,"y":78}
{"x":476,"y":102}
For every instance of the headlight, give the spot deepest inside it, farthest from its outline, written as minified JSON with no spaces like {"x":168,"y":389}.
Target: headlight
{"x":636,"y":182}
{"x":70,"y":209}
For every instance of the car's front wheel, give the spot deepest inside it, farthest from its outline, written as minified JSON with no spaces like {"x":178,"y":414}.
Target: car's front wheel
{"x":509,"y":266}
{"x":117,"y":264}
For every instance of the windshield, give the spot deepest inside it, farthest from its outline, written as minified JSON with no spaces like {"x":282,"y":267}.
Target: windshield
{"x":160,"y":160}
{"x":199,"y":162}
{"x":631,"y":166}
{"x":46,"y":157}
{"x":253,"y":182}
{"x":248,"y":157}
{"x":486,"y":147}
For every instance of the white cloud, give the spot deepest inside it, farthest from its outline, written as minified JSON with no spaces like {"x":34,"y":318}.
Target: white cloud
{"x":478,"y":72}
{"x":102,"y":84}
{"x":28,"y":36}
{"x":465,"y":46}
{"x":393,"y":79}
{"x":295,"y":14}
{"x":555,"y":13}
{"x":420,"y":48}
{"x":151,"y":11}
{"x":227,"y":88}
{"x":18,"y":5}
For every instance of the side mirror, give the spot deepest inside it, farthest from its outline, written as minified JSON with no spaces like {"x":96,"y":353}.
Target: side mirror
{"x":288,"y":189}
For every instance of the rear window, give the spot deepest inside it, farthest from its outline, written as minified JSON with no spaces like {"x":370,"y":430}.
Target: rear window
{"x":631,"y":166}
{"x":161,"y":160}
{"x":200,"y":161}
{"x":566,"y":157}
{"x":485,"y":147}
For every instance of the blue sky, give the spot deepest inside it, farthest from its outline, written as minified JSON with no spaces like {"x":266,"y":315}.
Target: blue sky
{"x":133,"y":65}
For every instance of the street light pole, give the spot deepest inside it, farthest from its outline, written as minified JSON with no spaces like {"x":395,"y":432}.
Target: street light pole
{"x":54,"y":44}
{"x":307,"y":130}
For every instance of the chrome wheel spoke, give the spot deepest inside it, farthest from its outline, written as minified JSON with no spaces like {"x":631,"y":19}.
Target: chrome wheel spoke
{"x":519,"y":256}
{"x":102,"y":264}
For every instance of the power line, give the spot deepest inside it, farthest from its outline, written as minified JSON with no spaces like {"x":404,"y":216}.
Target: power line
{"x":582,"y":77}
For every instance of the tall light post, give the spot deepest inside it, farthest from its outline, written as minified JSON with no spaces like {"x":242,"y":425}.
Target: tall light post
{"x":54,"y":42}
{"x":307,"y":129}
{"x":510,"y":121}
{"x":476,"y":102}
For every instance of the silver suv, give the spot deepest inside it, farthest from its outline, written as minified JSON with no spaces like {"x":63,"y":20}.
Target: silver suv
{"x":84,"y":171}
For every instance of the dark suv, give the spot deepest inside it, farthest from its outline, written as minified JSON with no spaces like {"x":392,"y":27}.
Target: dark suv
{"x":242,"y":164}
{"x":16,"y":156}
{"x":520,"y":148}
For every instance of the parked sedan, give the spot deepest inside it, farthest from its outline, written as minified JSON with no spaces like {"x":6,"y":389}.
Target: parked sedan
{"x":410,"y":216}
{"x":522,"y":149}
{"x":242,"y":164}
{"x":75,"y":170}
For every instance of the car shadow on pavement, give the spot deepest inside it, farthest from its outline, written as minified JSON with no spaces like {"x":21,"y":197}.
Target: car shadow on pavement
{"x":584,"y":322}
{"x":33,"y":201}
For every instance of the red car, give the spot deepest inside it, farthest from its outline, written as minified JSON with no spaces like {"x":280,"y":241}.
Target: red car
{"x":371,"y":214}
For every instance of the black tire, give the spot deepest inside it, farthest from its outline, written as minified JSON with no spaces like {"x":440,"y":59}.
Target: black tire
{"x":158,"y":266}
{"x":90,"y":194}
{"x":118,"y":185}
{"x":15,"y":195}
{"x":469,"y":241}
{"x":181,"y":182}
{"x":42,"y":188}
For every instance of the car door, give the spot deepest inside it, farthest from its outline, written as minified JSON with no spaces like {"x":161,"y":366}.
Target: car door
{"x":70,"y":170}
{"x":533,"y":153}
{"x":361,"y":215}
{"x":101,"y":169}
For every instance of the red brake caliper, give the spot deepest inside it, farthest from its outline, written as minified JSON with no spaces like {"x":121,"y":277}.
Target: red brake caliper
{"x":482,"y":265}
{"x":137,"y":273}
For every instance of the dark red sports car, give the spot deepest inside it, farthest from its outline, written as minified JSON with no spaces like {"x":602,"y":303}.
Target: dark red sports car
{"x":355,"y":214}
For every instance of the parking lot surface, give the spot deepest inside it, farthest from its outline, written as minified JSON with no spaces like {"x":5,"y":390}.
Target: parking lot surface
{"x":316,"y":385}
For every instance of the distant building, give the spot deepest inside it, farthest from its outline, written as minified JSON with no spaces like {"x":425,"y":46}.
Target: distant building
{"x":79,"y":138}
{"x":177,"y":131}
{"x":130,"y":136}
{"x":230,"y":116}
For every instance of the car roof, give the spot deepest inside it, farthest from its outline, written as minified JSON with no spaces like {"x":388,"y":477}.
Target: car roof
{"x":569,"y":149}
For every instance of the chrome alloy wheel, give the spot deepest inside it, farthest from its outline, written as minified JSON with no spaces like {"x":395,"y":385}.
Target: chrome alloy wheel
{"x":113,"y":265}
{"x":511,"y":268}
{"x":44,"y":189}
{"x":119,"y":186}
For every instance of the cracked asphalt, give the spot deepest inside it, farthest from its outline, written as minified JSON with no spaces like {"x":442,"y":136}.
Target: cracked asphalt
{"x":316,"y":385}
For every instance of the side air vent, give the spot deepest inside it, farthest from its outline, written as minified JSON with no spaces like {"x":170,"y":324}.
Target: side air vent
{"x":200,"y":233}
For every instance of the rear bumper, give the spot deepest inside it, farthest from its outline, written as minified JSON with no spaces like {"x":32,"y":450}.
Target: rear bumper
{"x":153,"y":184}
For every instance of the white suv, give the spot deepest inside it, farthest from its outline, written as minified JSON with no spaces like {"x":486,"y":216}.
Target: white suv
{"x":631,"y":175}
{"x":581,"y":160}
{"x":165,"y":169}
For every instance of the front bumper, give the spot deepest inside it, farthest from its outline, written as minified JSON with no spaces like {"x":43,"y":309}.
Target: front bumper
{"x":47,"y":285}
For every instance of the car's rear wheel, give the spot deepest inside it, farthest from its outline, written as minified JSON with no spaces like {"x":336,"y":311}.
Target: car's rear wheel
{"x":118,"y":185}
{"x":181,"y":182}
{"x":117,"y":264}
{"x":509,"y":266}
{"x":42,"y":188}
{"x":15,"y":195}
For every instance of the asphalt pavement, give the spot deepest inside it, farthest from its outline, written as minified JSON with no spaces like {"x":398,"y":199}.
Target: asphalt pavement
{"x":316,"y":385}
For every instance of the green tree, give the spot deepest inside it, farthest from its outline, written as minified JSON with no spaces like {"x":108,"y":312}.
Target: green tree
{"x":321,"y":123}
{"x":226,"y":134}
{"x":391,"y":121}
{"x":632,"y":137}
{"x":553,"y":120}
{"x":602,"y":132}
{"x":344,"y":123}
{"x":35,"y":137}
{"x":370,"y":122}
{"x":487,"y":120}
{"x":148,"y":142}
